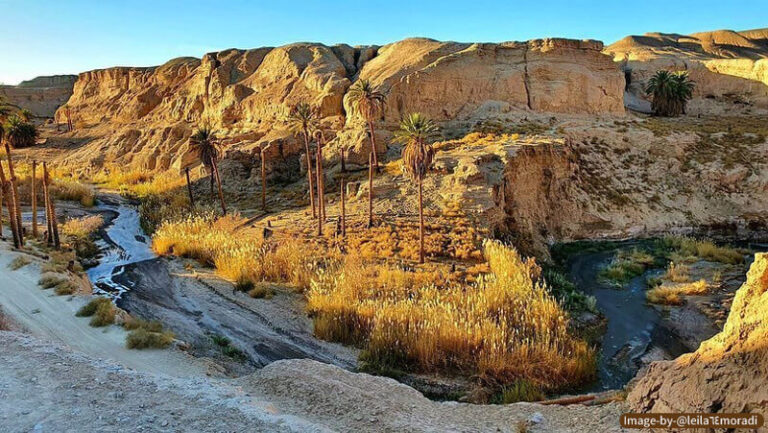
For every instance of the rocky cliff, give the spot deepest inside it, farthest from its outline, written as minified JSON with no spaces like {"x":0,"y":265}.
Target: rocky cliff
{"x":730,"y":68}
{"x":41,"y":95}
{"x":246,"y":93}
{"x":728,"y":373}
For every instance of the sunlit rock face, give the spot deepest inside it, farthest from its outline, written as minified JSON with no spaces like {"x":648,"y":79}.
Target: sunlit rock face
{"x":41,"y":95}
{"x":729,"y":372}
{"x":730,"y":68}
{"x":246,"y":94}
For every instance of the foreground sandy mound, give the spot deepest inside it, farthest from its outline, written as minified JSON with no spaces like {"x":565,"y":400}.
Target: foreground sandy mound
{"x":729,"y":372}
{"x":47,"y":387}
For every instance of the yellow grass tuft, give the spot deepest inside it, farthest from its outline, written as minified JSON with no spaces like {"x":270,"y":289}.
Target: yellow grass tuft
{"x":82,"y":227}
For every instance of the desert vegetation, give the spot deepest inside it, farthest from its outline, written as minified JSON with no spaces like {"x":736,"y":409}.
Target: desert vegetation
{"x":101,"y":311}
{"x":670,"y":92}
{"x":144,"y":334}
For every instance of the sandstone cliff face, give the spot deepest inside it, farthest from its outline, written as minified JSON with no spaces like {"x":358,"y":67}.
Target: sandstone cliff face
{"x":728,"y":373}
{"x":41,"y":95}
{"x":247,"y":93}
{"x":729,"y":67}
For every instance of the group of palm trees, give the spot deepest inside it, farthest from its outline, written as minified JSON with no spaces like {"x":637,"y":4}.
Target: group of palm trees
{"x":369,"y":102}
{"x":18,"y":131}
{"x":670,"y":91}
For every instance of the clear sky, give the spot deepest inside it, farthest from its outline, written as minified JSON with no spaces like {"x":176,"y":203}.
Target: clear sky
{"x":70,"y":36}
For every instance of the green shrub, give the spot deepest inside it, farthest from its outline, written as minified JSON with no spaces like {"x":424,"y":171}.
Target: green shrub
{"x":18,"y":263}
{"x":105,"y":315}
{"x":522,"y":390}
{"x":262,"y":292}
{"x":143,"y":339}
{"x":90,"y":308}
{"x":65,"y":287}
{"x":49,"y":280}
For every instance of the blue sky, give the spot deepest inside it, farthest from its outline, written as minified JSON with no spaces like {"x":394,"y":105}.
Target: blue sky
{"x":71,"y":36}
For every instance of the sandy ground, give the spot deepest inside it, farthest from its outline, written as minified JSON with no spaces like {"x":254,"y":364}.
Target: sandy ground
{"x":52,"y":317}
{"x":67,"y":391}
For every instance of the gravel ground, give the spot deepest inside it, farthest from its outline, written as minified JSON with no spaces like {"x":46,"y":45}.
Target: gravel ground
{"x":47,"y":387}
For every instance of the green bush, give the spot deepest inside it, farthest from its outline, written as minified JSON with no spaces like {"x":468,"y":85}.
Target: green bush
{"x":90,"y":308}
{"x":522,"y":390}
{"x":262,"y":292}
{"x":144,"y":339}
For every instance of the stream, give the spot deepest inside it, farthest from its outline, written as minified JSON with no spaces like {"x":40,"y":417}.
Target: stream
{"x":123,"y":242}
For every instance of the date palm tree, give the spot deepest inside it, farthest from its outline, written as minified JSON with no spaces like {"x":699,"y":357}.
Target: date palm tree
{"x":303,"y":119}
{"x":20,"y":133}
{"x":369,"y":102}
{"x":670,"y":92}
{"x":207,"y":146}
{"x":416,"y":131}
{"x":25,"y":115}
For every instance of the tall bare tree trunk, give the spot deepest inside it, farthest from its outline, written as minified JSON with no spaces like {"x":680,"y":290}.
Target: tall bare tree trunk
{"x":320,"y":197}
{"x":370,"y":190}
{"x":343,"y":210}
{"x":215,"y":167}
{"x":52,"y":211}
{"x":6,"y":185}
{"x":343,"y":163}
{"x":373,"y":145}
{"x":34,"y":199}
{"x":189,"y":189}
{"x":421,"y":223}
{"x":2,"y":198}
{"x":263,"y":182}
{"x":46,"y":205}
{"x":14,"y":193}
{"x":309,"y":172}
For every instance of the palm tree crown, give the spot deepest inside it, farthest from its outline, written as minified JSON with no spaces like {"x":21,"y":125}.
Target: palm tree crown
{"x":416,"y":130}
{"x":206,"y":144}
{"x":367,"y":100}
{"x":671,"y":91}
{"x":21,"y":133}
{"x":302,"y":118}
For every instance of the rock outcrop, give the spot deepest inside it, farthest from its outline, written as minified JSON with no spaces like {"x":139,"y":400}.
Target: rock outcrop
{"x":728,"y":373}
{"x":247,"y":93}
{"x":730,"y":68}
{"x":41,"y":95}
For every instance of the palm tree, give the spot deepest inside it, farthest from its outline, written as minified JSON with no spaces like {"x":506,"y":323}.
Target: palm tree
{"x":670,"y":91}
{"x":416,"y":130}
{"x":207,"y":145}
{"x":25,"y":115}
{"x":369,"y":102}
{"x":303,"y":119}
{"x":320,"y":138}
{"x":20,"y":133}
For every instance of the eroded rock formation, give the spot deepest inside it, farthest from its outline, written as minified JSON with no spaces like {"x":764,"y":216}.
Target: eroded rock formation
{"x":41,"y":95}
{"x":728,"y":373}
{"x":730,"y":68}
{"x":247,"y":93}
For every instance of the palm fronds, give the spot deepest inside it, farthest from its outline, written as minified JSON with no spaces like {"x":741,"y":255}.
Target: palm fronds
{"x":206,"y":144}
{"x":21,"y":133}
{"x":415,"y":132}
{"x":367,"y":100}
{"x":670,"y":91}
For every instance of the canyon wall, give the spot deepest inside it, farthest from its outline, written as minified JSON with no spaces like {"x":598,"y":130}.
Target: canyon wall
{"x":41,"y":95}
{"x":246,"y":94}
{"x":730,"y":68}
{"x":728,"y":373}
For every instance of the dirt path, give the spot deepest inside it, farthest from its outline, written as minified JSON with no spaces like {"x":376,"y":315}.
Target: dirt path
{"x":53,"y":317}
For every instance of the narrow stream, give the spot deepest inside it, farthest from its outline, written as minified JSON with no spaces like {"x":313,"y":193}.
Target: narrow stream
{"x":124,"y":243}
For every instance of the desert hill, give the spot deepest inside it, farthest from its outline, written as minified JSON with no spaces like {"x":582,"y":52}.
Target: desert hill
{"x":730,"y":68}
{"x":41,"y":95}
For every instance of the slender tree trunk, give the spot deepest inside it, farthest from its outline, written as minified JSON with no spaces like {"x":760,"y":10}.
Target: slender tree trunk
{"x":189,"y":189}
{"x":14,"y":193}
{"x":343,"y":163}
{"x":218,"y":184}
{"x":46,"y":205}
{"x":2,"y":198}
{"x":372,"y":131}
{"x":34,"y":199}
{"x":213,"y":181}
{"x":320,"y":198}
{"x":263,"y":182}
{"x":309,"y":172}
{"x":370,"y":190}
{"x":421,"y":224}
{"x":6,"y":185}
{"x":343,"y":210}
{"x":52,"y":207}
